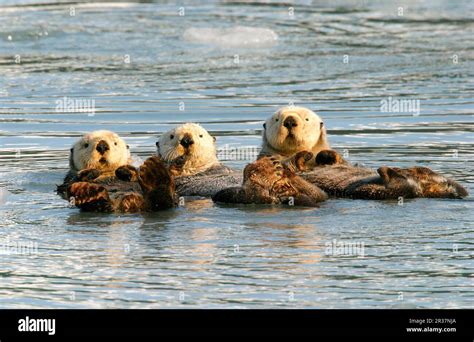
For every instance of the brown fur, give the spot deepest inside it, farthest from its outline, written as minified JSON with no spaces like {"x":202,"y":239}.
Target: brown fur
{"x":268,"y":181}
{"x":150,"y":188}
{"x":340,"y":179}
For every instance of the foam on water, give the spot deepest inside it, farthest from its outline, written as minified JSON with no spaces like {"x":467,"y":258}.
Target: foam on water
{"x":238,"y":36}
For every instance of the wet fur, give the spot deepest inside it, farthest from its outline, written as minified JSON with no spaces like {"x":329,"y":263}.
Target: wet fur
{"x":340,"y":179}
{"x":309,"y":133}
{"x":196,"y":168}
{"x":105,"y":185}
{"x":268,"y":181}
{"x":150,"y":188}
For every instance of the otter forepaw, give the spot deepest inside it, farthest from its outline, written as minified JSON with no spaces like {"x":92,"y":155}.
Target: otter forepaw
{"x":328,"y":157}
{"x":157,"y":184}
{"x":301,"y":158}
{"x":132,"y":203}
{"x":127,"y":173}
{"x":177,"y":164}
{"x":88,"y":175}
{"x":89,"y":197}
{"x":154,"y":173}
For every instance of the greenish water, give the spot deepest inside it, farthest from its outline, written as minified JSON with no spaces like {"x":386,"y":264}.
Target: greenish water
{"x":148,"y":68}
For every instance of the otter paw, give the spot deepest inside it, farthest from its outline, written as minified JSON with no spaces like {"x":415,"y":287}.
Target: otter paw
{"x":88,"y":175}
{"x":90,"y":197}
{"x":132,"y":203}
{"x":328,"y":157}
{"x":158,"y":185}
{"x":127,"y":173}
{"x":154,"y":173}
{"x":301,"y":158}
{"x":177,"y":164}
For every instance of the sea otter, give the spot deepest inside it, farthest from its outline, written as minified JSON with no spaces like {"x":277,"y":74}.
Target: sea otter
{"x":340,"y":179}
{"x":101,"y":179}
{"x":269,"y":181}
{"x":291,"y":130}
{"x":200,"y":173}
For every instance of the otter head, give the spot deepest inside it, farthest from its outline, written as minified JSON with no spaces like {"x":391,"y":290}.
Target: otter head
{"x":103,"y":150}
{"x":192,"y":142}
{"x":420,"y":182}
{"x":294,"y":129}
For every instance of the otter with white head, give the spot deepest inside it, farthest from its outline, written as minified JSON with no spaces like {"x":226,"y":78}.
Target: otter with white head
{"x":192,"y":143}
{"x":102,"y":150}
{"x":100,"y":178}
{"x":201,"y":173}
{"x":294,"y":130}
{"x":291,"y":130}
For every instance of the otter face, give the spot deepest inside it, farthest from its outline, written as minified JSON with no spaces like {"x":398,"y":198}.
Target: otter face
{"x":103,"y":150}
{"x":191,"y":141}
{"x":294,"y":129}
{"x":421,"y":182}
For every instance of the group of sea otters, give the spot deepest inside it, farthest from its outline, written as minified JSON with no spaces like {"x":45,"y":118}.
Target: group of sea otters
{"x":295,"y":166}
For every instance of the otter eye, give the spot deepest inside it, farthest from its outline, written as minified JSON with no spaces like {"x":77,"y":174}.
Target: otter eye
{"x":276,"y":119}
{"x":86,"y":145}
{"x":200,"y":135}
{"x":171,"y":136}
{"x":115,"y":143}
{"x":307,"y":119}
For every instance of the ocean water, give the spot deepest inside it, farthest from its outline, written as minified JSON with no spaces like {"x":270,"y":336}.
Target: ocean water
{"x":146,"y":66}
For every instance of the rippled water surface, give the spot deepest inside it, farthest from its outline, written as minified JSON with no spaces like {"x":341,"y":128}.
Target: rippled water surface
{"x":228,"y":65}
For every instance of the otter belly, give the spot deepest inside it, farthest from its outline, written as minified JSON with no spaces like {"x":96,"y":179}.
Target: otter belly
{"x":339,"y":180}
{"x":118,"y":188}
{"x":209,"y":182}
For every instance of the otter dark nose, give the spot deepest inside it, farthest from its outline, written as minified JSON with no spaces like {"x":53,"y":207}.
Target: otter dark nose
{"x":290,"y":122}
{"x":186,"y":141}
{"x":102,"y":146}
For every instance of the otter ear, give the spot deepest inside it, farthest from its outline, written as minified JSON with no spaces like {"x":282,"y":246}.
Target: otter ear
{"x":157,"y":144}
{"x":264,"y":125}
{"x":128,"y":147}
{"x":214,"y":138}
{"x":321,"y":124}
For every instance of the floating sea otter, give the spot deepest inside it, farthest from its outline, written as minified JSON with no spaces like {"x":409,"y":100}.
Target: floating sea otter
{"x":296,"y":129}
{"x":291,"y":130}
{"x":101,"y":178}
{"x":200,"y":172}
